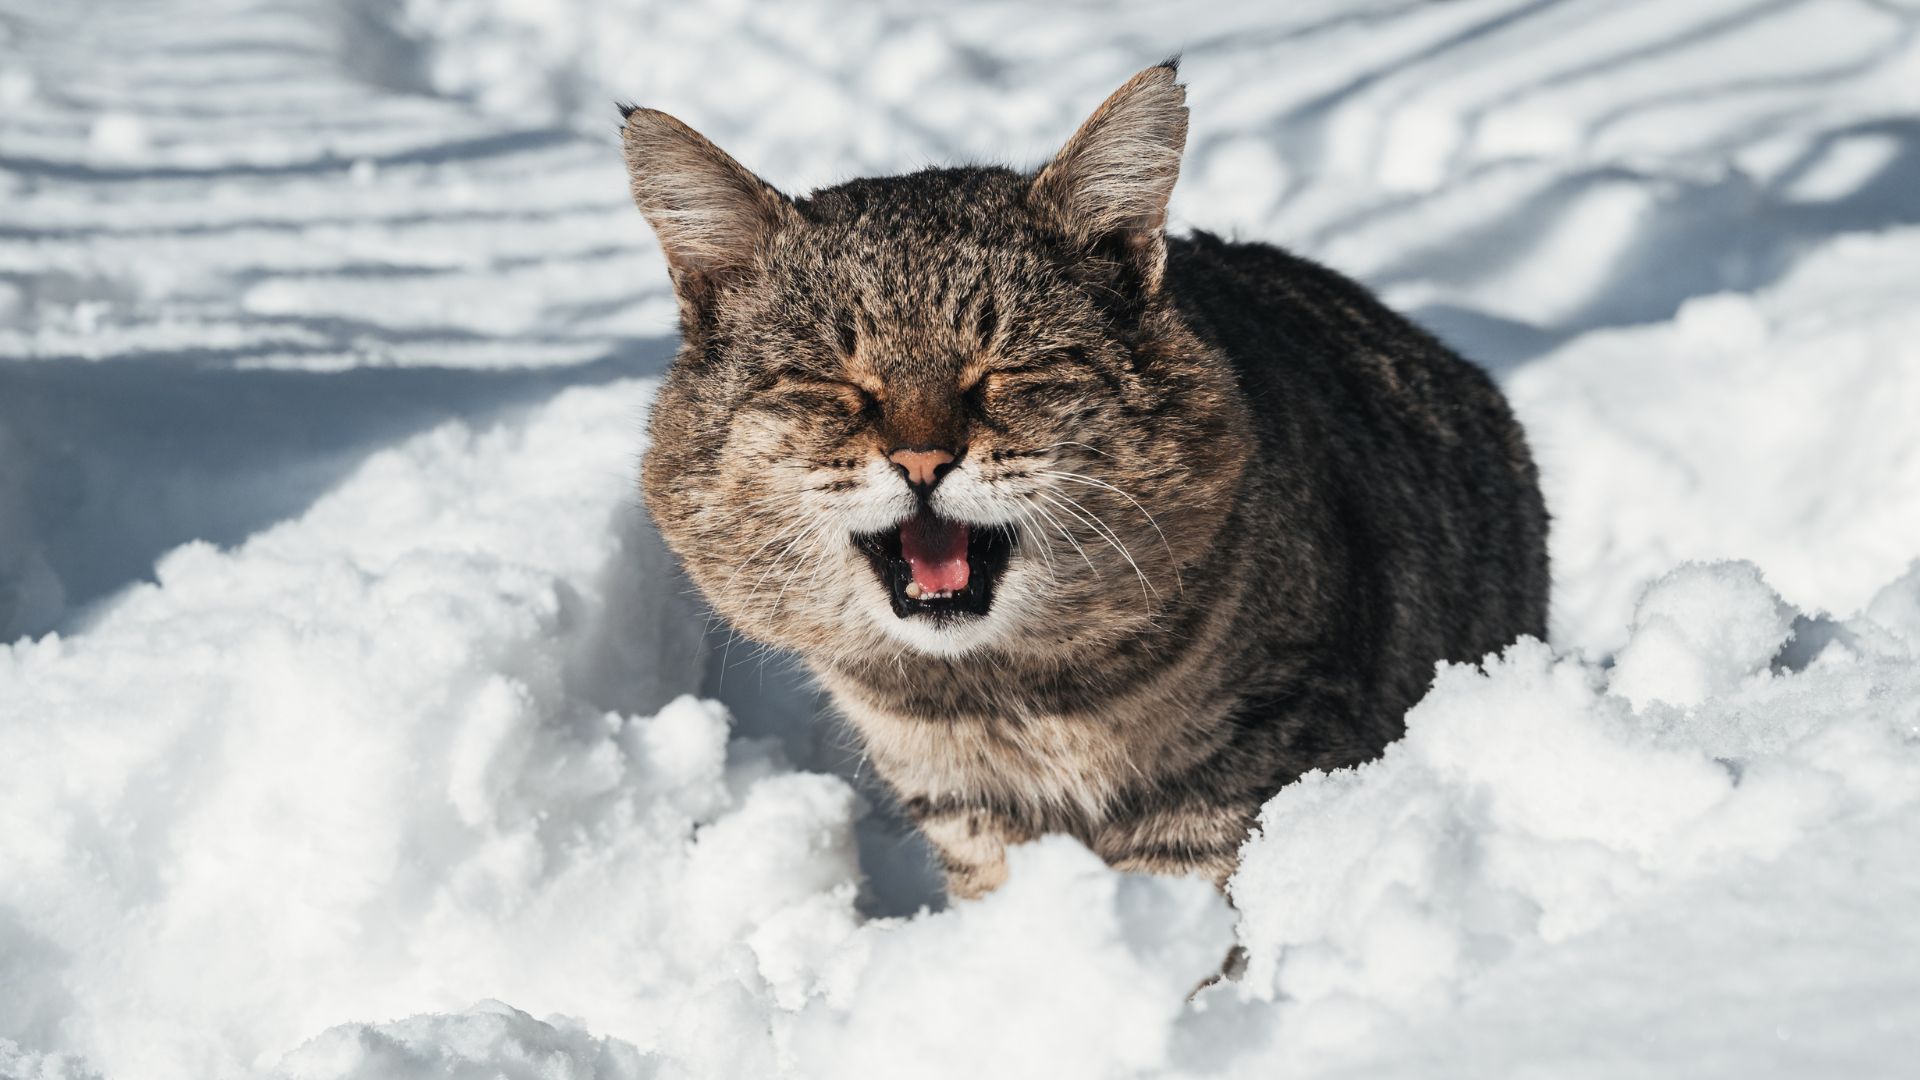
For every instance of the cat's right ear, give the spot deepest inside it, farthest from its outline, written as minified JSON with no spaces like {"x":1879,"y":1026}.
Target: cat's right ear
{"x":1108,"y":187}
{"x":710,"y":214}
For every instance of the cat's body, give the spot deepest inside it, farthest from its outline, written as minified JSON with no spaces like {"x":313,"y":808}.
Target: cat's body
{"x":1086,"y":531}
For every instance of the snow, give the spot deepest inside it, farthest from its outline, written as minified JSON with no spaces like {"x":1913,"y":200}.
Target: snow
{"x":1698,"y":634}
{"x":491,"y":1039}
{"x":355,"y":723}
{"x":1068,"y":971}
{"x":1777,"y":419}
{"x":1541,"y":802}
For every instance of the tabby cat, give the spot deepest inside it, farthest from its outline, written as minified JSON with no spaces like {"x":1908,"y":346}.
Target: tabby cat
{"x":1087,"y":529}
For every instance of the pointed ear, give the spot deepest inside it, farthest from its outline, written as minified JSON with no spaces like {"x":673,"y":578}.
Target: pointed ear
{"x":710,"y":214}
{"x":1111,"y":182}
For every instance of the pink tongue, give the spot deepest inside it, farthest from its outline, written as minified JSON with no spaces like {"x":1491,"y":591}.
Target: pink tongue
{"x":937,"y":552}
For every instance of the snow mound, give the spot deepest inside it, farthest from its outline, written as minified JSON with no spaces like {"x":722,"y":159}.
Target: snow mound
{"x":18,"y":1064}
{"x":1770,"y":426}
{"x":490,"y":1040}
{"x":1698,"y":633}
{"x":1532,"y":804}
{"x":1068,"y":971}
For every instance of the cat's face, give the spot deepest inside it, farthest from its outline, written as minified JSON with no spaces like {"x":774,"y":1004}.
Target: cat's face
{"x":945,"y":413}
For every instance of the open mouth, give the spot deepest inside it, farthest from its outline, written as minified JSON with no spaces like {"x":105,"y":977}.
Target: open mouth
{"x":933,"y":566}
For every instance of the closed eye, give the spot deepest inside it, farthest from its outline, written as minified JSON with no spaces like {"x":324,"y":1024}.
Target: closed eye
{"x":824,"y":392}
{"x":1069,"y":365}
{"x":1027,"y":381}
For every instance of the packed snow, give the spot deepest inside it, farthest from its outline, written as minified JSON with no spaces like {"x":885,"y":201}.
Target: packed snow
{"x":355,"y":723}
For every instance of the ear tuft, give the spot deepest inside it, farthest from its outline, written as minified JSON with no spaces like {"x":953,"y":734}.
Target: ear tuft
{"x":1113,"y":178}
{"x":710,"y":214}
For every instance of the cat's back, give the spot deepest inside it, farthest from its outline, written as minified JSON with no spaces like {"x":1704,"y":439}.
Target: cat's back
{"x":1400,"y":457}
{"x":1290,"y":325}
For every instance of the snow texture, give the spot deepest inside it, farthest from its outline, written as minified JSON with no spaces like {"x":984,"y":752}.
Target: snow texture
{"x":355,"y":723}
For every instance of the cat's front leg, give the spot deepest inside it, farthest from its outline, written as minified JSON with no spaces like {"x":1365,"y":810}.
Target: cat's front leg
{"x":970,"y":841}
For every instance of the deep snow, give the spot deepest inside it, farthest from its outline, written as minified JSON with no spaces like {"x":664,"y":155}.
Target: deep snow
{"x":352,"y":724}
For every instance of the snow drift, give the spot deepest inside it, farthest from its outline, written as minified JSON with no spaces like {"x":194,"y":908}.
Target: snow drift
{"x":354,"y":722}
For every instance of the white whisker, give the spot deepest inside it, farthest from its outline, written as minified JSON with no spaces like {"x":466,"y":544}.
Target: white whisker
{"x":1079,"y":478}
{"x":1101,"y":529}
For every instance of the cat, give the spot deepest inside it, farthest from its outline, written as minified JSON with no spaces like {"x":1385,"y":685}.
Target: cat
{"x":1085,"y":528}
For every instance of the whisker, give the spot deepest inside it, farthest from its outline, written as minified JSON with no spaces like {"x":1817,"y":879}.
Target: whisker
{"x":748,"y":561}
{"x":1041,"y":540}
{"x":798,"y":532}
{"x":1080,"y":478}
{"x":1101,"y":528}
{"x":818,"y":532}
{"x":1055,"y":522}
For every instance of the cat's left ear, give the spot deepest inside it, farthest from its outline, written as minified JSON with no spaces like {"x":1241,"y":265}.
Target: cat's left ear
{"x":1110,"y":184}
{"x":711,"y":215}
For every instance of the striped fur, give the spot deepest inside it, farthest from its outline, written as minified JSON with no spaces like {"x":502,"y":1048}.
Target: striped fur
{"x":1252,"y":506}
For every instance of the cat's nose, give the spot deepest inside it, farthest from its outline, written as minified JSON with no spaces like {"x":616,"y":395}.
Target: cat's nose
{"x":923,"y":466}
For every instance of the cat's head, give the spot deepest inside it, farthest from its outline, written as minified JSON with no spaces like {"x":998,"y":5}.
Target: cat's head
{"x":949,"y":413}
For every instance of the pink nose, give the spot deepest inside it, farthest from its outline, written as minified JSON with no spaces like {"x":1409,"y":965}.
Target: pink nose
{"x":921,"y":466}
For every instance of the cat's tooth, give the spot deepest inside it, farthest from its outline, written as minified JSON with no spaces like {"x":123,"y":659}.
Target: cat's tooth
{"x":913,"y":590}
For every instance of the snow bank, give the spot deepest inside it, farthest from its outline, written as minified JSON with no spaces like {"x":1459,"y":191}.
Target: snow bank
{"x":490,"y":1039}
{"x":1068,"y":971}
{"x":1773,"y":426}
{"x":1541,"y":799}
{"x":364,"y":765}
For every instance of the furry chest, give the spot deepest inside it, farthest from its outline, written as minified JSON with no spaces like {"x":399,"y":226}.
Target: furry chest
{"x":1044,"y":772}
